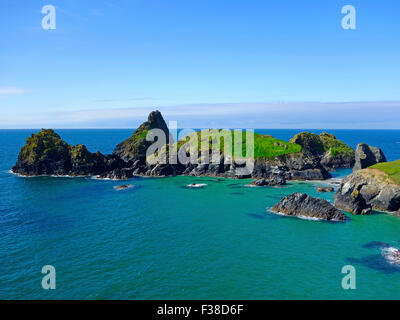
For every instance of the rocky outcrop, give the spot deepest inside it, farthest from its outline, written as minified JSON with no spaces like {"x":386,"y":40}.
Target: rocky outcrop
{"x":275,"y":180}
{"x":135,"y":147}
{"x":368,"y":189}
{"x":124,"y":187}
{"x":303,"y":206}
{"x":306,"y":157}
{"x":325,"y":189}
{"x":367,"y":156}
{"x":327,"y":150}
{"x":117,"y":174}
{"x":45,"y":153}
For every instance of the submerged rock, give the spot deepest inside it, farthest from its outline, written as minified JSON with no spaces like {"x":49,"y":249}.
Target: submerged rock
{"x":368,"y":189}
{"x":124,"y":186}
{"x":325,"y":189}
{"x":367,"y":156}
{"x":304,"y":206}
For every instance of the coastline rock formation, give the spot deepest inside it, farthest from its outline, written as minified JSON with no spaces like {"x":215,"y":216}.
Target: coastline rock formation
{"x":367,"y":156}
{"x":275,"y":180}
{"x":306,"y":157}
{"x":134,"y":148}
{"x":366,"y":190}
{"x":329,"y":151}
{"x":304,"y":206}
{"x":45,"y":153}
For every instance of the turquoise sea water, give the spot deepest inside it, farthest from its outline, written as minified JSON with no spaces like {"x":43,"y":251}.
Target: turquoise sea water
{"x":160,"y":240}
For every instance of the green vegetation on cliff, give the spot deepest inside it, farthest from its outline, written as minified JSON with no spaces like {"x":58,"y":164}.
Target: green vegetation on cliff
{"x":320,"y":144}
{"x":335,"y":146}
{"x":265,"y":146}
{"x":136,"y":146}
{"x":42,"y":146}
{"x":392,"y":169}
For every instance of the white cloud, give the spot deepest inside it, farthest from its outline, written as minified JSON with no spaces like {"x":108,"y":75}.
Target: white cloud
{"x":296,"y":115}
{"x":14,"y":90}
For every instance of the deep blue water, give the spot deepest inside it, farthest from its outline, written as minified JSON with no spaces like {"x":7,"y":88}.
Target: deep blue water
{"x":160,"y":240}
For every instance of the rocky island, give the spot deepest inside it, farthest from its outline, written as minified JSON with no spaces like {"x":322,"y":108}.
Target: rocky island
{"x":374,"y":184}
{"x":305,"y":157}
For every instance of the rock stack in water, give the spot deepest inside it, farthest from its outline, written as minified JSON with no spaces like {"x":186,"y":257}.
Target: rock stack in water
{"x":367,"y":156}
{"x":304,"y":206}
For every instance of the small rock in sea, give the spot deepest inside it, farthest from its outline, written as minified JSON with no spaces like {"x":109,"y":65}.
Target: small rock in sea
{"x":325,"y":189}
{"x":304,"y":206}
{"x":273,"y":181}
{"x":124,"y":187}
{"x":196,"y":185}
{"x":397,"y":213}
{"x":392,"y":255}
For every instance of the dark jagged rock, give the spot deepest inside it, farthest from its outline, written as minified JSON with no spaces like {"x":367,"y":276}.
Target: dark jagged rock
{"x":367,"y":156}
{"x":135,"y":147}
{"x":368,"y":189}
{"x":325,"y":189}
{"x":303,"y":206}
{"x":117,"y":174}
{"x":124,"y":187}
{"x":330,"y":152}
{"x":296,"y":166}
{"x":85,"y":163}
{"x":275,"y":180}
{"x":44,"y":153}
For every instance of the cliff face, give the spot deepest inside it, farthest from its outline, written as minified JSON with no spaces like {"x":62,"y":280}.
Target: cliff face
{"x":330,"y":152}
{"x":272,"y":157}
{"x":367,"y":156}
{"x":135,"y":147}
{"x":368,"y":189}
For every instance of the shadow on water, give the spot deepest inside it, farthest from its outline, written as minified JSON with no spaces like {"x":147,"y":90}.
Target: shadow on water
{"x":257,"y":216}
{"x":237,"y":193}
{"x":235,"y":186}
{"x":376,"y":245}
{"x":376,"y":262}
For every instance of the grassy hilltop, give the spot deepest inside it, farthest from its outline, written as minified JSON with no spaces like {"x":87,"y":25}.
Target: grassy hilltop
{"x":265,"y":146}
{"x":392,"y":169}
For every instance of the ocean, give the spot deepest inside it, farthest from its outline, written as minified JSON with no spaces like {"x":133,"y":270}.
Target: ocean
{"x":160,"y":240}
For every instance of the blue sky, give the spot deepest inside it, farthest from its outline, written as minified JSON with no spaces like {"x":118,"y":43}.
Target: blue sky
{"x":264,"y":64}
